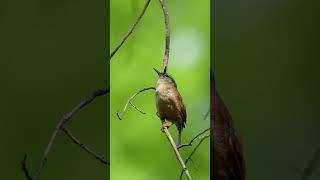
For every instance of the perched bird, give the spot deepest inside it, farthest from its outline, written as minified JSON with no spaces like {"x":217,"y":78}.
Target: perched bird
{"x":169,"y":103}
{"x":228,"y":159}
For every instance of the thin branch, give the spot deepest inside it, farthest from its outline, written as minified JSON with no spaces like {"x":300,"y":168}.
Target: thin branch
{"x":65,"y":118}
{"x":197,"y":137}
{"x":192,"y":153}
{"x":165,"y":67}
{"x":167,"y":25}
{"x":130,"y":30}
{"x":136,"y":108}
{"x":206,"y":115}
{"x":311,"y":166}
{"x":174,"y":147}
{"x":24,"y":168}
{"x":129,"y":102}
{"x":83,"y":146}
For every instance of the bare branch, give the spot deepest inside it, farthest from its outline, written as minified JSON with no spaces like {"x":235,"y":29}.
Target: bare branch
{"x":129,"y":102}
{"x":174,"y":147}
{"x":197,"y":137}
{"x":192,"y":153}
{"x":136,"y":108}
{"x":83,"y":146}
{"x":130,"y":30}
{"x":165,"y":67}
{"x":65,"y":118}
{"x":24,"y":168}
{"x":206,"y":115}
{"x":167,"y":25}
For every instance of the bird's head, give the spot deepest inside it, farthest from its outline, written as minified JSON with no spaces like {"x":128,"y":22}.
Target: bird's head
{"x":165,"y":78}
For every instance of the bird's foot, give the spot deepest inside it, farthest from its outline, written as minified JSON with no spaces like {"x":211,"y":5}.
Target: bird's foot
{"x":166,"y":125}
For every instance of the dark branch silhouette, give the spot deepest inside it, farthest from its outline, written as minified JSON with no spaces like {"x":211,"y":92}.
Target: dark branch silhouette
{"x":197,"y":137}
{"x":206,"y":115}
{"x":24,"y":168}
{"x":130,"y":30}
{"x":129,"y":102}
{"x":193,"y":152}
{"x":83,"y":146}
{"x":65,"y":118}
{"x":68,"y":116}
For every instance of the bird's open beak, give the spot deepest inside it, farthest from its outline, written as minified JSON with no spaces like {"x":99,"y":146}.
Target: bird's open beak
{"x":157,"y":71}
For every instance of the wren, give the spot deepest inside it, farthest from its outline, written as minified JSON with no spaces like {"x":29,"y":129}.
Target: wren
{"x":170,"y":106}
{"x":227,"y":151}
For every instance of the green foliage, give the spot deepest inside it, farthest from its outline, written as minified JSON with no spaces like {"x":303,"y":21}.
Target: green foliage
{"x":52,"y":55}
{"x":267,"y":71}
{"x":139,"y":150}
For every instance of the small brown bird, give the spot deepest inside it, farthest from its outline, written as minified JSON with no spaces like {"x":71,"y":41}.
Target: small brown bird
{"x":169,"y":103}
{"x":228,"y":156}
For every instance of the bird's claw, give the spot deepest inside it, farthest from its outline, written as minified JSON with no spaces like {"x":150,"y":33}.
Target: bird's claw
{"x":166,"y":125}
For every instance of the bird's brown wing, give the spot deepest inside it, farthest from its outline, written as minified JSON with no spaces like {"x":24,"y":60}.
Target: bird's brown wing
{"x":228,"y":156}
{"x":181,"y":109}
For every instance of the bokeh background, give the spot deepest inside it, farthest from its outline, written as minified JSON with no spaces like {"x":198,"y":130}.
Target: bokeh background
{"x":267,"y":70}
{"x":139,"y":150}
{"x":53,"y":54}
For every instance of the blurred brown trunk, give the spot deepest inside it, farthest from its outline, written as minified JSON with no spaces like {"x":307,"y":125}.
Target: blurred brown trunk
{"x":228,"y":161}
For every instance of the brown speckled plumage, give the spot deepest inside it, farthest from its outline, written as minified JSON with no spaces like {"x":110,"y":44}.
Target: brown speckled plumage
{"x":169,"y":103}
{"x":228,"y":159}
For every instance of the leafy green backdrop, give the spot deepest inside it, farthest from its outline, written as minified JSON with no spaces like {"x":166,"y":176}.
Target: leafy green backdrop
{"x":53,"y":54}
{"x":139,"y":150}
{"x":267,"y":70}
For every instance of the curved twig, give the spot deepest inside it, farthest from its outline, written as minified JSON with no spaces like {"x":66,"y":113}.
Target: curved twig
{"x":167,"y":25}
{"x":197,"y":137}
{"x":130,"y":30}
{"x":192,"y":153}
{"x":65,"y":118}
{"x":206,"y":115}
{"x":24,"y":168}
{"x":83,"y":146}
{"x":129,"y":102}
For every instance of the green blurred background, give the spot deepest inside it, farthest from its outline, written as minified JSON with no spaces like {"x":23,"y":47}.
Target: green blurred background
{"x":139,"y":150}
{"x":53,"y":54}
{"x":267,"y":70}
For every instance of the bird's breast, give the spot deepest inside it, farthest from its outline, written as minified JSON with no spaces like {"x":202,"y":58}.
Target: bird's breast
{"x":165,"y":103}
